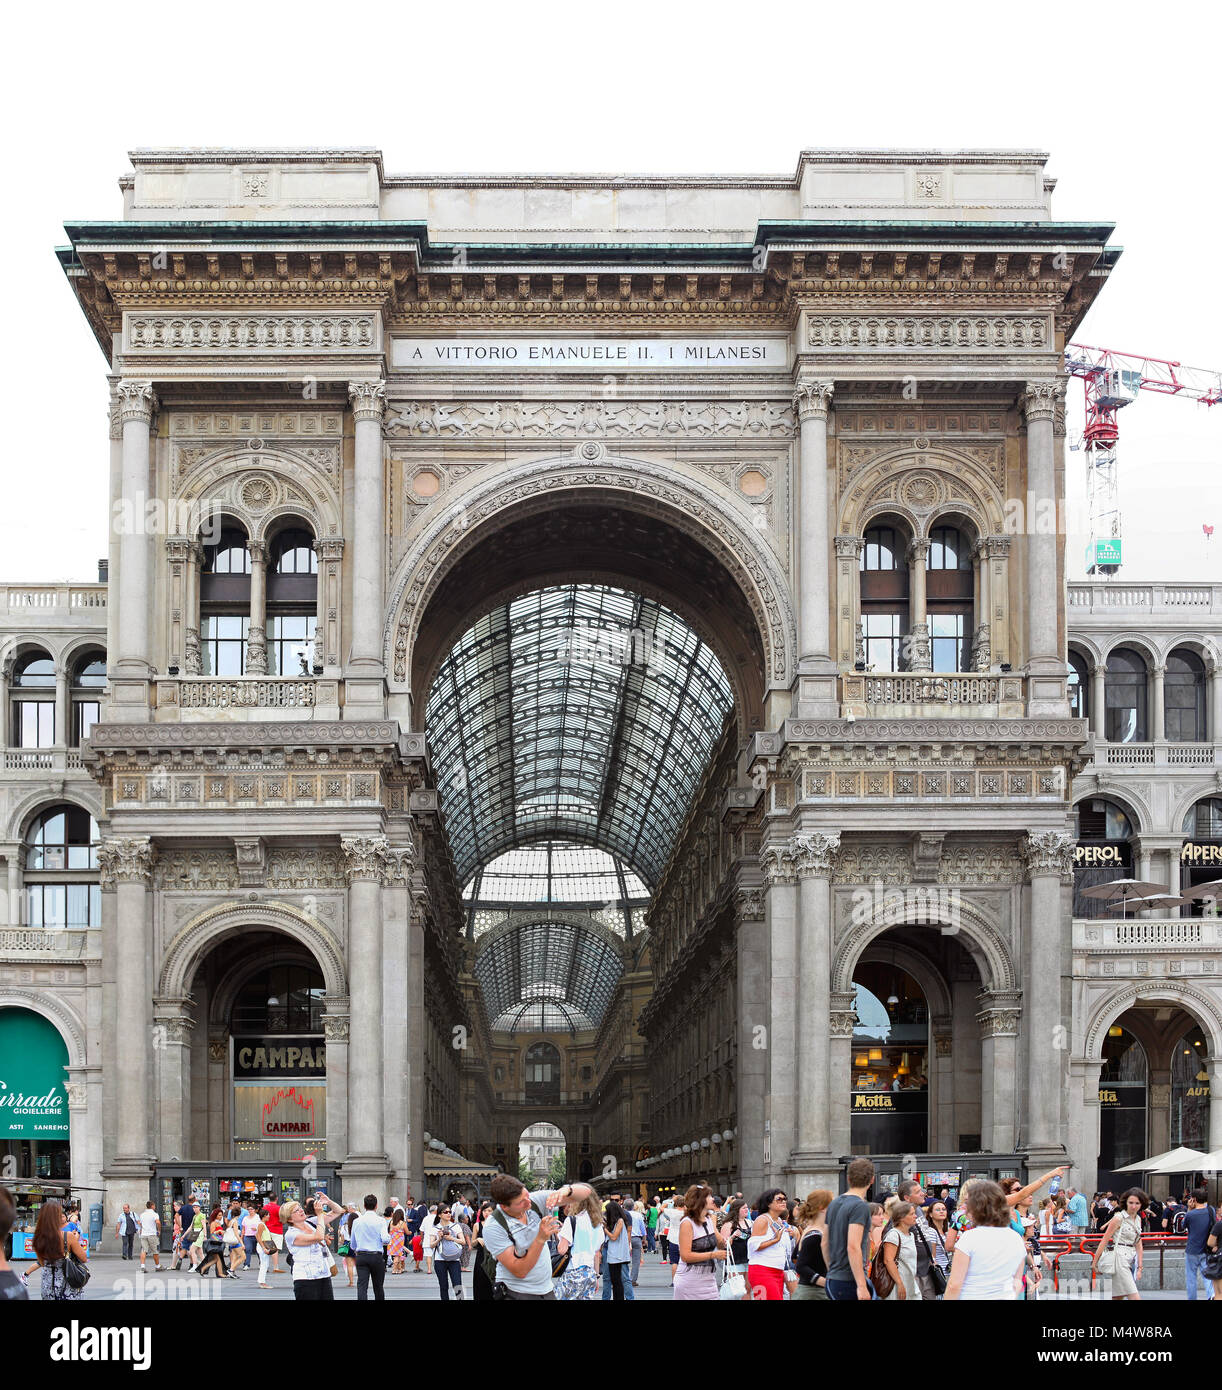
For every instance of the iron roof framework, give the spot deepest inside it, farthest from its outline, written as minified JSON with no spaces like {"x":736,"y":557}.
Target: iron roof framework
{"x":578,"y":712}
{"x":547,"y":976}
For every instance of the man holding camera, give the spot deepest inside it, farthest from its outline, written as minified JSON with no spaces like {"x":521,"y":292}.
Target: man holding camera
{"x":517,"y":1235}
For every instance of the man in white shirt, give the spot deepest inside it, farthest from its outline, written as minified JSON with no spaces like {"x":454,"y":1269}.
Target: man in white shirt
{"x":426,"y":1230}
{"x":368,"y":1237}
{"x":150,"y":1233}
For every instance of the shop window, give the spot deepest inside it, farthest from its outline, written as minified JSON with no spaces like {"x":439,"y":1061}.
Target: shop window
{"x":285,"y":998}
{"x":1190,"y":1097}
{"x":889,"y":1104}
{"x":1122,"y":1101}
{"x":1125,"y":697}
{"x":1184,"y":698}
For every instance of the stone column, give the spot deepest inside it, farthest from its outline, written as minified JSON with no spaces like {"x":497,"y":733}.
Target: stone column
{"x":129,"y":688}
{"x":817,"y":693}
{"x":335,"y":1027}
{"x":919,"y":651}
{"x":366,"y":862}
{"x":840,"y":1070}
{"x":1213,"y":733}
{"x":63,"y":707}
{"x":416,"y":1033}
{"x":256,"y":631}
{"x":999,"y":1019}
{"x":178,"y":553}
{"x":1215,"y":1104}
{"x":1045,"y":593}
{"x":126,"y":871}
{"x":751,"y":1083}
{"x":172,"y":1028}
{"x":397,"y":1007}
{"x":1098,"y":701}
{"x":1158,"y":677}
{"x":192,"y":621}
{"x":1049,"y":859}
{"x":115,"y":499}
{"x":366,"y":680}
{"x":982,"y":645}
{"x":781,"y":932}
{"x":6,"y":675}
{"x":812,"y":1162}
{"x":998,"y":587}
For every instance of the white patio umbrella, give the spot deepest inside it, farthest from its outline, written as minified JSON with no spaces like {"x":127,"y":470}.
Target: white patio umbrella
{"x":1202,"y":1163}
{"x":1127,"y":892}
{"x":1181,"y":1160}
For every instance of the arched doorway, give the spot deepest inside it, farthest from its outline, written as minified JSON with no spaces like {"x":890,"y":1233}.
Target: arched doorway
{"x":34,"y":1119}
{"x":1123,"y":1102}
{"x":890,"y":1101}
{"x":1190,"y":1090}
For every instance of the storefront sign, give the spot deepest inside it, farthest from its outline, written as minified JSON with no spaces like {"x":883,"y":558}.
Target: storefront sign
{"x":890,"y":1102}
{"x":1115,"y":854}
{"x":1201,"y":852}
{"x":33,"y":1102}
{"x":288,"y":1114}
{"x":279,"y":1056}
{"x":749,"y":352}
{"x":279,"y":1111}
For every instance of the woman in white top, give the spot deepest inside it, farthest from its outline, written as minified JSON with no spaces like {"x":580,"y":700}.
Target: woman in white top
{"x":989,"y":1257}
{"x":900,"y":1254}
{"x":769,"y":1246}
{"x":583,"y":1233}
{"x":306,"y":1239}
{"x":1125,"y":1230}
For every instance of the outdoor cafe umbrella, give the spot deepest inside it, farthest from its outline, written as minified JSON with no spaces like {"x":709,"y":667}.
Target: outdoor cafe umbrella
{"x":1126,"y":890}
{"x":1212,"y":889}
{"x":1157,"y":902}
{"x":1199,"y":1163}
{"x":1191,"y":1158}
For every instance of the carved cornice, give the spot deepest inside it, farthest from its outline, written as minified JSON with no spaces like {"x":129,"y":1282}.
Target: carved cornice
{"x":812,"y":399}
{"x":368,"y":399}
{"x":950,"y":332}
{"x":1049,"y":852}
{"x":365,"y":857}
{"x":137,"y":400}
{"x":1042,"y":399}
{"x":126,"y":861}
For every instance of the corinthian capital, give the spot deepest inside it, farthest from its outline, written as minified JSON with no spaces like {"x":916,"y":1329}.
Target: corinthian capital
{"x":368,"y":399}
{"x":125,"y":861}
{"x":1042,"y":399}
{"x":365,"y":856}
{"x":803,"y":856}
{"x":400,"y":861}
{"x":812,"y":399}
{"x":137,"y":400}
{"x":1049,"y":852}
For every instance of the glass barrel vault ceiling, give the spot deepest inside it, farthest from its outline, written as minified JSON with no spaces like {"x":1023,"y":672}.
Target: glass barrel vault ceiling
{"x":579,"y":712}
{"x":547,"y":976}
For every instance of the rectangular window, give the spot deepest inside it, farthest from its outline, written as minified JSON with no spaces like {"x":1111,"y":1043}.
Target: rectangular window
{"x":88,"y":712}
{"x":223,"y":643}
{"x":291,"y":648}
{"x":946,"y":641}
{"x":34,"y":723}
{"x":883,"y":639}
{"x":55,"y":905}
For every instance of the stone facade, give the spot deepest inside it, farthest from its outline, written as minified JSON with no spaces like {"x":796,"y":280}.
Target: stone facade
{"x":708,"y":391}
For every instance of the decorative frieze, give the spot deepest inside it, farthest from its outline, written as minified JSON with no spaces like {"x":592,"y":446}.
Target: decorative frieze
{"x":196,"y":870}
{"x":944,"y":332}
{"x":871,"y":863}
{"x":610,"y":419}
{"x":261,"y":334}
{"x":304,"y":869}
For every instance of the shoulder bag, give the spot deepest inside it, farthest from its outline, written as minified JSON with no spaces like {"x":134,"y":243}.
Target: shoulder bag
{"x":76,"y":1272}
{"x":880,"y":1275}
{"x":1106,"y":1263}
{"x":936,"y":1276}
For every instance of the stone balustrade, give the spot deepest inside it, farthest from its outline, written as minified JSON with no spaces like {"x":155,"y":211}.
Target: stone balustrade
{"x":19,"y":598}
{"x":1196,"y":934}
{"x":1158,"y":754}
{"x":199,"y":695}
{"x":926,"y":694}
{"x":42,"y":760}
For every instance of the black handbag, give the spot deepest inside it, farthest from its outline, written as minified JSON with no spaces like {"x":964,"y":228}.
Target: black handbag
{"x":76,"y":1273}
{"x":936,"y":1275}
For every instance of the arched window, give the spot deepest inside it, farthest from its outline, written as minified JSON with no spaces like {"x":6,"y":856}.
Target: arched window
{"x":1103,"y":852}
{"x":542,"y":1068}
{"x":285,"y":998}
{"x":948,"y":598}
{"x":292,"y":602}
{"x":1184,"y":698}
{"x":1204,"y":820}
{"x":224,"y":599}
{"x":1079,"y":686}
{"x":33,"y":712}
{"x":88,"y":678}
{"x":1125,"y":697}
{"x":884,"y":597}
{"x":61,"y":870}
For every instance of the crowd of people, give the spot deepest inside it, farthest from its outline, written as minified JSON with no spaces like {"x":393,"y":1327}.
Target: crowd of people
{"x":573,"y":1245}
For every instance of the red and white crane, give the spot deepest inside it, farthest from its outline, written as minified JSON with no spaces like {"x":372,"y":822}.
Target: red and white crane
{"x":1112,"y":380}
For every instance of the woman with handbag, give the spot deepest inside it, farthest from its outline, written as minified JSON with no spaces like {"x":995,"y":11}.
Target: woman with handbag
{"x":700,"y":1247}
{"x":212,"y":1247}
{"x":235,"y":1246}
{"x":736,"y":1231}
{"x":769,"y":1246}
{"x":60,"y":1254}
{"x":808,"y":1259}
{"x":933,"y":1226}
{"x":1212,"y":1266}
{"x":583,"y":1234}
{"x":448,"y":1244}
{"x":900,"y":1257}
{"x":1123,"y":1260}
{"x":343,"y":1246}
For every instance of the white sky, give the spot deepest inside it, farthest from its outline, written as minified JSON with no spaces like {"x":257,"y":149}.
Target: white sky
{"x":1123,"y":97}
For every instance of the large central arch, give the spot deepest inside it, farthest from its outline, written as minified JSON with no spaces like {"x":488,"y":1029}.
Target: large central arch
{"x":692,"y":552}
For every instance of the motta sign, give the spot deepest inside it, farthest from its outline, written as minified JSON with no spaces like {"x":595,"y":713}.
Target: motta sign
{"x":287,"y":1056}
{"x":749,"y":352}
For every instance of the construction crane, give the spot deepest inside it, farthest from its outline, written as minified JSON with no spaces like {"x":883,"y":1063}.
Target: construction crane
{"x":1112,"y":380}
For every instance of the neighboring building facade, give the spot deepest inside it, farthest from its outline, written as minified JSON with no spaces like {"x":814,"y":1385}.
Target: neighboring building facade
{"x":670,"y":520}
